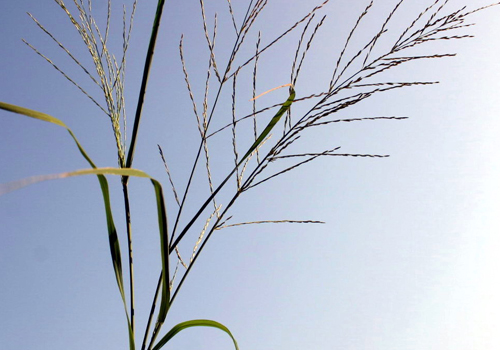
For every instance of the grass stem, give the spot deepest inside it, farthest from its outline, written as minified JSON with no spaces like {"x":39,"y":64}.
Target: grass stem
{"x":130,"y":253}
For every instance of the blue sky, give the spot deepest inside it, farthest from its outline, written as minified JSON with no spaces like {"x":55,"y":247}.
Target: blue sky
{"x":407,"y":258}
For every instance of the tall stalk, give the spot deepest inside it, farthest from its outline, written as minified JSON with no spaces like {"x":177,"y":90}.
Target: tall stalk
{"x":130,"y":252}
{"x":130,"y":156}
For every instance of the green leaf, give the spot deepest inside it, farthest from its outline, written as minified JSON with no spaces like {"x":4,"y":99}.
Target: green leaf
{"x":193,"y":323}
{"x":164,"y":244}
{"x":252,"y":148}
{"x":271,"y":125}
{"x":162,"y":220}
{"x":114,"y":243}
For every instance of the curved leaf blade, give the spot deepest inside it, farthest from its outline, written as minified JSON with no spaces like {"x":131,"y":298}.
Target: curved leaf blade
{"x":193,"y":323}
{"x":284,"y":107}
{"x":162,"y":219}
{"x":114,"y":243}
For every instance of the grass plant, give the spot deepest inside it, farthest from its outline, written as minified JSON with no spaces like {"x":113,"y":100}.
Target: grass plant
{"x":274,"y":147}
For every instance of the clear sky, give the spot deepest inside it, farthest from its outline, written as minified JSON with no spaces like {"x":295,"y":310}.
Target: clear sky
{"x":408,"y":257}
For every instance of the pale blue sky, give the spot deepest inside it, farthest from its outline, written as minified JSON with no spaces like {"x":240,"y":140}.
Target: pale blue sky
{"x":407,"y":259}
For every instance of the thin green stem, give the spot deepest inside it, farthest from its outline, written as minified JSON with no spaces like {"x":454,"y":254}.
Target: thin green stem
{"x":130,"y":254}
{"x":130,"y":156}
{"x":156,"y":331}
{"x":152,"y":311}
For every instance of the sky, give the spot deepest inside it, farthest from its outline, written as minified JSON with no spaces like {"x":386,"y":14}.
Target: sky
{"x":407,"y":257}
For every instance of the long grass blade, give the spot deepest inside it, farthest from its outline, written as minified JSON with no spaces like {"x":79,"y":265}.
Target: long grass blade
{"x":194,"y":323}
{"x":162,"y":218}
{"x":271,"y":124}
{"x":114,"y":243}
{"x":252,"y":148}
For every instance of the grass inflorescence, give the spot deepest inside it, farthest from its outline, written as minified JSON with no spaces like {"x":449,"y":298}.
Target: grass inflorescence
{"x":355,"y":77}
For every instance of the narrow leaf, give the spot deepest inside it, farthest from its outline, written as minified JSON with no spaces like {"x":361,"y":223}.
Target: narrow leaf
{"x":252,"y":148}
{"x":162,"y":218}
{"x":114,"y":243}
{"x":193,"y":323}
{"x":271,"y":124}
